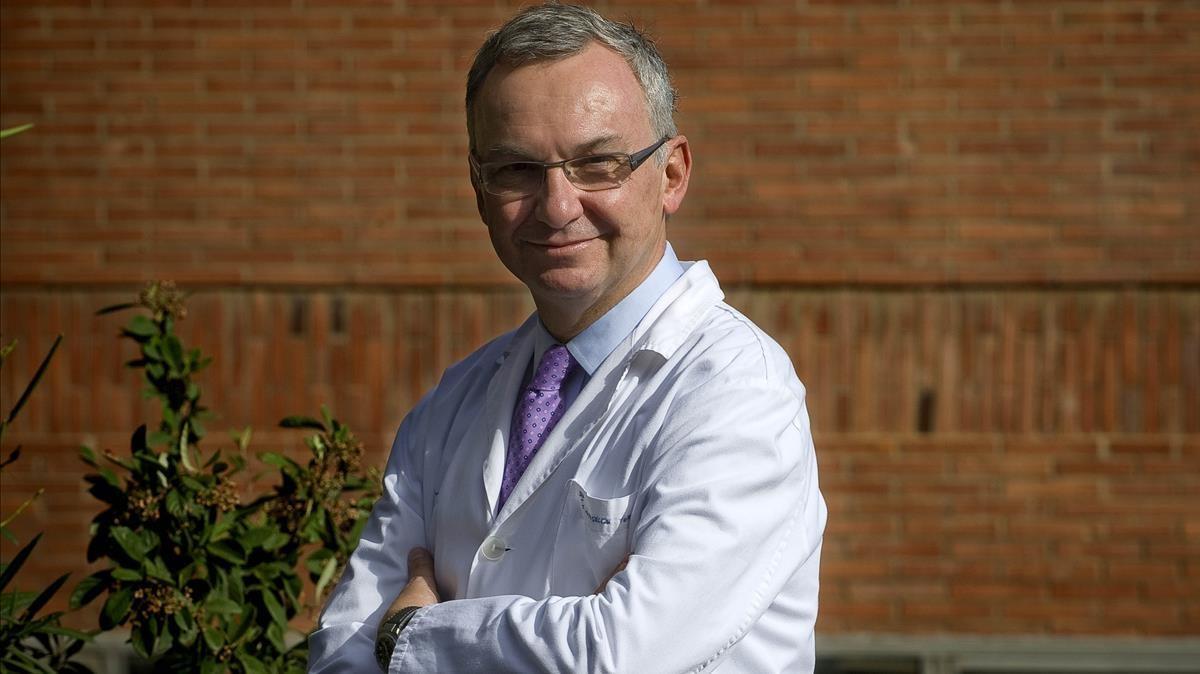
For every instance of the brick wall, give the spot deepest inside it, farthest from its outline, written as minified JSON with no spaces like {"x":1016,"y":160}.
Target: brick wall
{"x":974,"y":225}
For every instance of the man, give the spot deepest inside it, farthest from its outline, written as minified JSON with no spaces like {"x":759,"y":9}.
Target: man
{"x":624,"y":483}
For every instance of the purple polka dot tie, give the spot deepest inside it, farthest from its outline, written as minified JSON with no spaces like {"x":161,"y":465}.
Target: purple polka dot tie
{"x":538,"y":409}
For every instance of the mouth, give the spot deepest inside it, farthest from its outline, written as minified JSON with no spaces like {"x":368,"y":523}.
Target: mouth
{"x":560,"y":247}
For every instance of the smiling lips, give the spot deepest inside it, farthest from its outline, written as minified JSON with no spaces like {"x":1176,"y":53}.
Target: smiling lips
{"x":557,"y":247}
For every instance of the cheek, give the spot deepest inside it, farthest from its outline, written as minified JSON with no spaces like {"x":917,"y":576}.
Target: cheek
{"x":502,"y":218}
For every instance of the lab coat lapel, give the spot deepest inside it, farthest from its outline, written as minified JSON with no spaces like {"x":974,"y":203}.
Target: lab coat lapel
{"x":664,"y":328}
{"x":501,"y":398}
{"x":588,"y":408}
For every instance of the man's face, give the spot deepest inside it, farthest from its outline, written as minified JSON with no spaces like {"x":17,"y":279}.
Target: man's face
{"x":575,"y":250}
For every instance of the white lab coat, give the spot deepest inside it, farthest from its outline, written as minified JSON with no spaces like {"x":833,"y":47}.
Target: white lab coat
{"x":689,"y":447}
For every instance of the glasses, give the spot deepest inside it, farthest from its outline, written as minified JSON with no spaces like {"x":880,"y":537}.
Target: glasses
{"x":592,"y":173}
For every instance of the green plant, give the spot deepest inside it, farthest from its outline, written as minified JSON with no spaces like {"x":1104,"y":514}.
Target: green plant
{"x":5,"y":133}
{"x":204,"y":581}
{"x":29,"y":642}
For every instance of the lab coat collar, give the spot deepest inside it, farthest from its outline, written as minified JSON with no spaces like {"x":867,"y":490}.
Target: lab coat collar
{"x":676,"y":314}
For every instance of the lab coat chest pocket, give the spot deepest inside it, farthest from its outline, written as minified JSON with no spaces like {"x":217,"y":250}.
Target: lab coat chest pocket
{"x":593,"y":538}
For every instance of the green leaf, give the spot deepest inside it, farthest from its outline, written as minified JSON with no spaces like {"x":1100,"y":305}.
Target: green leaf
{"x":127,"y":465}
{"x":241,"y":438}
{"x":185,"y":453}
{"x":28,"y":663}
{"x":274,"y":608}
{"x":116,"y":307}
{"x":44,"y":597}
{"x":302,"y":422}
{"x":221,"y":605}
{"x":67,"y":632}
{"x":20,"y":509}
{"x":243,"y":630}
{"x":116,"y":608}
{"x":123,"y":573}
{"x":12,"y":456}
{"x":326,"y":576}
{"x":187,"y":628}
{"x":275,"y":636}
{"x":162,"y":642}
{"x":15,"y":130}
{"x":221,"y":529}
{"x":173,"y":353}
{"x":142,"y":638}
{"x":279,"y":461}
{"x":316,"y":561}
{"x":227,"y":550}
{"x":276,"y":540}
{"x":214,"y":638}
{"x":150,"y":349}
{"x":176,"y":506}
{"x":104,"y":490}
{"x":89,"y":588}
{"x":252,"y":665}
{"x":255,"y":537}
{"x":140,"y":326}
{"x":137,"y":441}
{"x":134,"y":545}
{"x":158,"y":438}
{"x":12,"y":603}
{"x":14,"y":566}
{"x":156,"y":568}
{"x":37,"y":376}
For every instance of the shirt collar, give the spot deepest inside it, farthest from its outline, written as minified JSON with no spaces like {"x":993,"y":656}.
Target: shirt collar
{"x":598,"y":340}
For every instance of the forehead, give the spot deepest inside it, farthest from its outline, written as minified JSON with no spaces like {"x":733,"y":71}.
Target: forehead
{"x":548,"y":106}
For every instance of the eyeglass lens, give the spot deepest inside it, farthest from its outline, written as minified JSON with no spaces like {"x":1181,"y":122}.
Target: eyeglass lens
{"x":588,"y":173}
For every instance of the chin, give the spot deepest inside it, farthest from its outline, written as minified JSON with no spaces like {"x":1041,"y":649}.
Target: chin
{"x":566,"y":283}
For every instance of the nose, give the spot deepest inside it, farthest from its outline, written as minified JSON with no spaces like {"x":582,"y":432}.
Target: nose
{"x":558,"y":202}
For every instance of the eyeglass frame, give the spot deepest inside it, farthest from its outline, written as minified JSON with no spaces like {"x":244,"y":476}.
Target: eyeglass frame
{"x":635,"y":160}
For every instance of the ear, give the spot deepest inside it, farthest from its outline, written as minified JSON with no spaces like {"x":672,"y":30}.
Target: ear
{"x":478,"y":191}
{"x":675,"y":178}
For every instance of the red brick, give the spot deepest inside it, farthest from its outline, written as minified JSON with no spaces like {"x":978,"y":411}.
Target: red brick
{"x":957,"y":198}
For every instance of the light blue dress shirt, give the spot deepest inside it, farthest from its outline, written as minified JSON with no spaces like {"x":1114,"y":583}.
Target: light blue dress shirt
{"x":590,"y":347}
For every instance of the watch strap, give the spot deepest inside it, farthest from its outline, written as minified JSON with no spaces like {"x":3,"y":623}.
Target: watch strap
{"x":389,"y":632}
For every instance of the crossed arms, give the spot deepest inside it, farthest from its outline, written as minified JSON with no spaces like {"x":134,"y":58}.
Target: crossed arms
{"x":729,"y":522}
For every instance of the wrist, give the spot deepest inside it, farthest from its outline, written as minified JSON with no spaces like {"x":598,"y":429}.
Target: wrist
{"x":389,"y":632}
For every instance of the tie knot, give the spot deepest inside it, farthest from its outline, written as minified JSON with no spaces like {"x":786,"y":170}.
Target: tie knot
{"x":552,"y":369}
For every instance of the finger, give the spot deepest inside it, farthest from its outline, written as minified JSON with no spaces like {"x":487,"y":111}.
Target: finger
{"x":420,"y":563}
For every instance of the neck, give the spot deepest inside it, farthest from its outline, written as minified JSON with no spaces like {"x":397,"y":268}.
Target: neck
{"x":565,"y":318}
{"x":564,"y":323}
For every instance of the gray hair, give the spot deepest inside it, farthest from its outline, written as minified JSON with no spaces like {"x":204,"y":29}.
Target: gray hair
{"x":554,"y":31}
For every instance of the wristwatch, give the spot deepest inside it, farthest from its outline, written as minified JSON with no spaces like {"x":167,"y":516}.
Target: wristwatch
{"x":389,"y":631}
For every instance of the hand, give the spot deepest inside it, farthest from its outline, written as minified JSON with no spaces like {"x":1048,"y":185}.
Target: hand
{"x":620,"y":567}
{"x":422,"y":586}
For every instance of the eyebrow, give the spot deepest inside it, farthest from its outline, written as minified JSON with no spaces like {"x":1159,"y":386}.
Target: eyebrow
{"x":506,"y":151}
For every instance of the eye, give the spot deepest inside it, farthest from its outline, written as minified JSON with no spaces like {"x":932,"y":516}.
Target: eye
{"x":517,"y":171}
{"x":601,"y":167}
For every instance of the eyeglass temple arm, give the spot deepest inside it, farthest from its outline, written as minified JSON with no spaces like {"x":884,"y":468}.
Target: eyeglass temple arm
{"x":635,"y":160}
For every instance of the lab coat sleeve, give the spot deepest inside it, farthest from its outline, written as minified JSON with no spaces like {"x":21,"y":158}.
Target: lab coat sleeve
{"x":344,"y":640}
{"x":730,"y":513}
